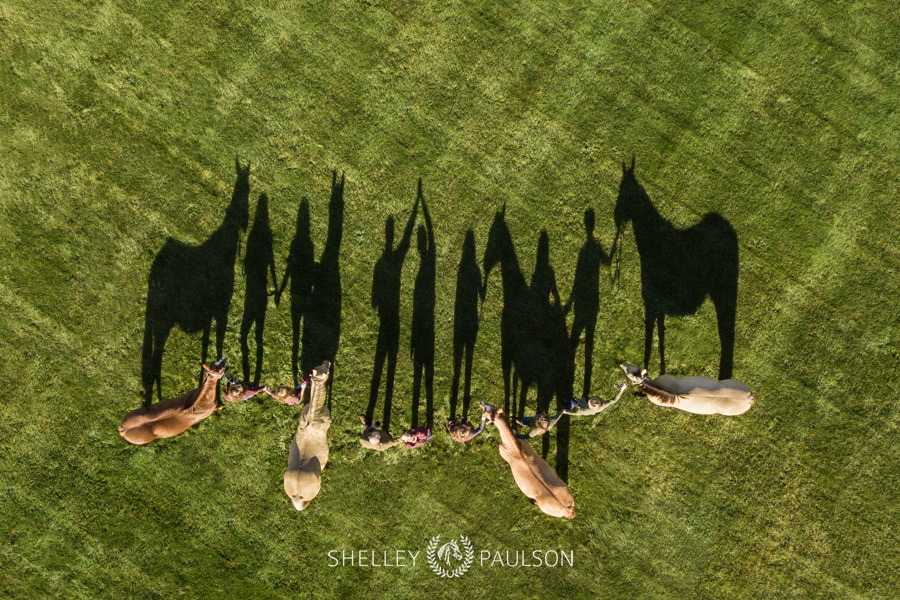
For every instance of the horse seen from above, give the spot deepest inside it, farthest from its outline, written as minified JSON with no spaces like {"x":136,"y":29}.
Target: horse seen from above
{"x":697,"y":395}
{"x":170,"y":417}
{"x":531,"y":473}
{"x":309,"y":448}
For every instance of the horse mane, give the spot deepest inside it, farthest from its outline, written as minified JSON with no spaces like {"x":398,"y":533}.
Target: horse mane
{"x":663,"y":395}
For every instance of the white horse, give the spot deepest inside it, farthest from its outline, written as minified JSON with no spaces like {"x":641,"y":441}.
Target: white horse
{"x":698,"y":395}
{"x":309,"y":448}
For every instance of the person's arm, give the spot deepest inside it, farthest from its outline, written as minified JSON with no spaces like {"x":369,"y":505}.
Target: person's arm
{"x":287,"y":275}
{"x":622,"y":387}
{"x":479,"y":430}
{"x":429,"y":228}
{"x":403,"y":246}
{"x":556,"y":418}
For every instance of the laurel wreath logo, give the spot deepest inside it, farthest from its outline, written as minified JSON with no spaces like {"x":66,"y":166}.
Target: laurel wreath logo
{"x":446,"y":552}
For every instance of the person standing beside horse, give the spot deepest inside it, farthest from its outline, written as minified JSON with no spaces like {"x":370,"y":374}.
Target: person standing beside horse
{"x":374,"y":437}
{"x":584,"y":407}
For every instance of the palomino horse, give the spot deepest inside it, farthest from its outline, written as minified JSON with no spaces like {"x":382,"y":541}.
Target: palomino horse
{"x":171,"y":417}
{"x":309,"y":448}
{"x":698,"y":395}
{"x":680,"y":268}
{"x":189,"y":286}
{"x":532,"y":473}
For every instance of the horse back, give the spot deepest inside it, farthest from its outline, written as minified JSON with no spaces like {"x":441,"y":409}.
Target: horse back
{"x":537,"y":479}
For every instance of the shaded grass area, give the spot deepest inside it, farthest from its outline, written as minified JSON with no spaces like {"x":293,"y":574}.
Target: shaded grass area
{"x":120,"y":122}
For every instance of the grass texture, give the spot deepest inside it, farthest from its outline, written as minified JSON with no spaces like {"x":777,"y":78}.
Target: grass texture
{"x":119,"y":124}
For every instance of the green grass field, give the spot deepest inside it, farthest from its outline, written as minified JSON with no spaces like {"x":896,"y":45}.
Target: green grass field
{"x":119,"y":126}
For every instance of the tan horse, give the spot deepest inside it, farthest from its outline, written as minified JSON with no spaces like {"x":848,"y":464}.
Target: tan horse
{"x":309,"y":448}
{"x":698,"y":395}
{"x":532,"y":473}
{"x":170,"y":417}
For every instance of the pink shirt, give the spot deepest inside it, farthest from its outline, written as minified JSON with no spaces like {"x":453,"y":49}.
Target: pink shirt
{"x":422,"y":434}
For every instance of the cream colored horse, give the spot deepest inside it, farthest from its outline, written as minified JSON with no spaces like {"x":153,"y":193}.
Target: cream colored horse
{"x":309,"y":448}
{"x":698,"y":395}
{"x":532,"y":473}
{"x":171,"y":417}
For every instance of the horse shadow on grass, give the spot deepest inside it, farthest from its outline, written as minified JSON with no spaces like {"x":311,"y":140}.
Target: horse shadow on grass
{"x":191,"y":286}
{"x":465,"y":323}
{"x":316,"y":293}
{"x":534,"y":341}
{"x":680,"y":268}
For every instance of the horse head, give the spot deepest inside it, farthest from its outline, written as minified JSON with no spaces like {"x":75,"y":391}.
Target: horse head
{"x":239,"y":210}
{"x":498,"y":236}
{"x":634,"y":374}
{"x":448,"y":550}
{"x":301,"y":486}
{"x":216,"y":370}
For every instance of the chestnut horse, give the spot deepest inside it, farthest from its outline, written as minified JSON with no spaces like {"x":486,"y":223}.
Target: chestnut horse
{"x":171,"y":417}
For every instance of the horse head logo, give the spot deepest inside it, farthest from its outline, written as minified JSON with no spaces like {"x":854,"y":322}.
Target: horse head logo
{"x":450,"y":554}
{"x":449,"y":551}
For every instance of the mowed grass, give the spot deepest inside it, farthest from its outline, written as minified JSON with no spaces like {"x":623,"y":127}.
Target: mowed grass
{"x":119,"y":125}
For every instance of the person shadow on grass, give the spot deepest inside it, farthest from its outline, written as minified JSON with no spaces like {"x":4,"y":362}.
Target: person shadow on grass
{"x":422,"y":336}
{"x":259,"y":263}
{"x":386,"y":300}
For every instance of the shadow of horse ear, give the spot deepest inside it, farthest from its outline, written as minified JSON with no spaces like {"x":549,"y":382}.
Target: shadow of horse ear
{"x":192,"y":286}
{"x":680,"y":268}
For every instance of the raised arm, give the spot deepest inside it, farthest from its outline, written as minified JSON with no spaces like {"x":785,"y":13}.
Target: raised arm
{"x":403,"y":246}
{"x":429,"y":228}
